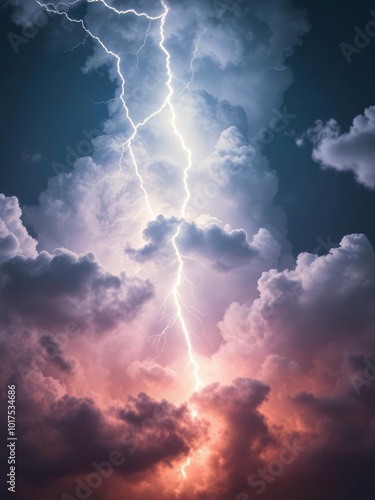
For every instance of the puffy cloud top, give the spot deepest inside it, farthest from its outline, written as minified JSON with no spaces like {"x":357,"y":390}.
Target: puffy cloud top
{"x":353,"y":151}
{"x":14,"y":238}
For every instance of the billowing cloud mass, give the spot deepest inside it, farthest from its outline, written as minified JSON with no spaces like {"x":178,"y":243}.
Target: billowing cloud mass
{"x":352,"y":151}
{"x":14,"y":239}
{"x":50,"y":290}
{"x":164,"y":340}
{"x":223,"y":248}
{"x":53,"y":288}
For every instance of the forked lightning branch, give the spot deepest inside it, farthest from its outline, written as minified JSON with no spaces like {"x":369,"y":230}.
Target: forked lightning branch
{"x":167,"y":106}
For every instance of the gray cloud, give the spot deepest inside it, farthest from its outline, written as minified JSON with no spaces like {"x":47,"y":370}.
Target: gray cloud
{"x":73,"y":432}
{"x":53,"y":289}
{"x":325,"y":301}
{"x":239,"y":44}
{"x":14,"y":239}
{"x":353,"y":151}
{"x":236,"y":185}
{"x":224,"y":248}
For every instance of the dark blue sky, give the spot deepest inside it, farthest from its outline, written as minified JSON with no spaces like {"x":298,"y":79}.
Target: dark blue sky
{"x":46,"y":102}
{"x":155,"y":283}
{"x":324,"y":203}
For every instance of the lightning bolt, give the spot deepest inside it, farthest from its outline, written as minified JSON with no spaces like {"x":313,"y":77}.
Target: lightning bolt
{"x":143,"y":44}
{"x":183,"y":468}
{"x":78,"y":45}
{"x":180,"y":272}
{"x":273,"y":68}
{"x":176,"y":292}
{"x":187,"y":85}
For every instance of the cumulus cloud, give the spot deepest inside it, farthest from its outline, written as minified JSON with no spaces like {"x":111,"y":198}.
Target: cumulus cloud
{"x":307,"y":322}
{"x":309,"y":337}
{"x":244,"y":430}
{"x":297,"y":353}
{"x":239,"y":43}
{"x":224,"y":248}
{"x":206,"y":117}
{"x":71,"y":433}
{"x":53,"y":289}
{"x":236,"y":185}
{"x":323,"y":300}
{"x":97,"y":209}
{"x":227,"y":249}
{"x":157,"y":233}
{"x":352,"y":151}
{"x":68,"y":434}
{"x":151,"y":373}
{"x":293,"y":347}
{"x":88,"y":211}
{"x":14,"y":238}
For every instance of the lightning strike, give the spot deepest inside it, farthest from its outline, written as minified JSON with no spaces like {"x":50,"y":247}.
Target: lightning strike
{"x":273,"y":68}
{"x":54,"y":9}
{"x":193,"y":59}
{"x":183,"y":471}
{"x":143,"y":44}
{"x":127,"y":145}
{"x":78,"y":45}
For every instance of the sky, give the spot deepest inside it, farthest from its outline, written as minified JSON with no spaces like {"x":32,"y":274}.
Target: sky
{"x":187,"y":272}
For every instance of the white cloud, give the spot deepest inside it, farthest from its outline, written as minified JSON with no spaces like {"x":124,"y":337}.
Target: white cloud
{"x":353,"y":151}
{"x":14,"y":239}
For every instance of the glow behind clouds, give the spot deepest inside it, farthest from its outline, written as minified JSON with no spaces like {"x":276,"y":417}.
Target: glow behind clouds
{"x":203,"y":348}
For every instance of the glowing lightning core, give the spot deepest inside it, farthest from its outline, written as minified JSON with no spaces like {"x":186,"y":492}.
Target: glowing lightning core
{"x":180,"y":272}
{"x":186,"y":464}
{"x":54,"y":8}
